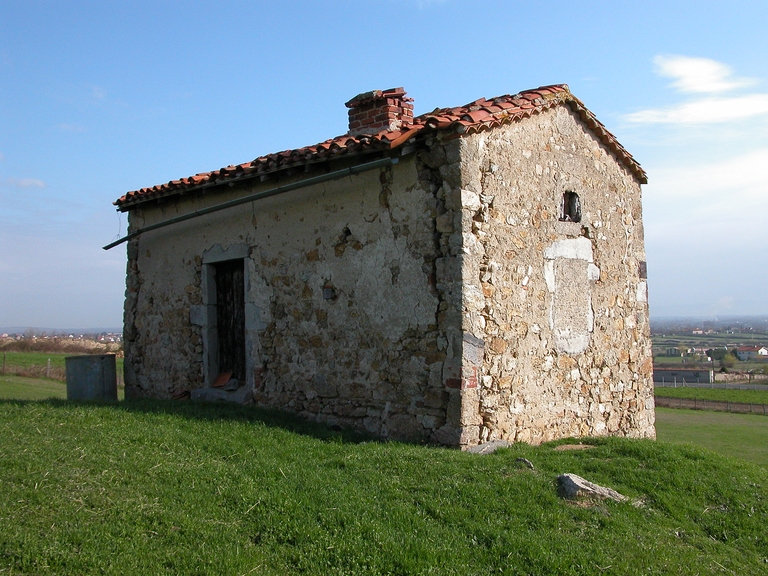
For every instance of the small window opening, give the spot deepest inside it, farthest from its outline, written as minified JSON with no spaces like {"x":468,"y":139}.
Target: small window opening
{"x":570,"y":208}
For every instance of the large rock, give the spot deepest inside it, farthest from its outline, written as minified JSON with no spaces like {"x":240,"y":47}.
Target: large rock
{"x":574,"y":487}
{"x":488,"y":447}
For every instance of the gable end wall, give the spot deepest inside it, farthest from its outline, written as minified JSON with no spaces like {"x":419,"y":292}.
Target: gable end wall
{"x":561,"y":307}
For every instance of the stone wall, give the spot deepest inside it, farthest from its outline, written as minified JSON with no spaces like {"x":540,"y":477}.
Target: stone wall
{"x":440,"y":299}
{"x":342,"y":306}
{"x":560,"y":306}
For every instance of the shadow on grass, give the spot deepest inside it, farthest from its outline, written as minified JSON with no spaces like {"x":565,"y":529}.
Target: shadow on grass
{"x":220,"y":411}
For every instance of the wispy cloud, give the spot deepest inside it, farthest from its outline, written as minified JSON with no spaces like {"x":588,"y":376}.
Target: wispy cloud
{"x":705,"y":111}
{"x":23,"y":183}
{"x":685,"y":203}
{"x":698,"y":75}
{"x":709,"y":78}
{"x":745,"y":175}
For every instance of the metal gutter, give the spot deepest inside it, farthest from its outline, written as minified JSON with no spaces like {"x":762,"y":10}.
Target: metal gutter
{"x":383,"y":162}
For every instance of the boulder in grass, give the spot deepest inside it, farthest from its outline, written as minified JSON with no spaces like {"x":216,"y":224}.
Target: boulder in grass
{"x":488,"y":447}
{"x":574,"y":487}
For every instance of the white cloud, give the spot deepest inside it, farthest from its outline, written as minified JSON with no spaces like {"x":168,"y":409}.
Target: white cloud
{"x":23,"y":183}
{"x":741,"y":177}
{"x":706,"y":205}
{"x":706,"y":111}
{"x":685,"y":204}
{"x":698,"y":75}
{"x":702,"y":76}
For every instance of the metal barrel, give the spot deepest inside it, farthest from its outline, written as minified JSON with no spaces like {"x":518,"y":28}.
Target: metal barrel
{"x":92,"y":377}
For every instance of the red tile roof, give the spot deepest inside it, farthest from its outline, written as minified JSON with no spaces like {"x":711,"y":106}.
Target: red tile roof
{"x":476,"y":116}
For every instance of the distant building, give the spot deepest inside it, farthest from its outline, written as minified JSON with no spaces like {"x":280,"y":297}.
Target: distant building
{"x":750,"y":352}
{"x":672,"y":376}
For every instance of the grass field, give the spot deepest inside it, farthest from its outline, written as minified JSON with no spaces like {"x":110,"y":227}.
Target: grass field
{"x":176,"y":487}
{"x":20,"y":388}
{"x":28,"y":360}
{"x":709,"y":340}
{"x":742,"y":436}
{"x":716,"y":394}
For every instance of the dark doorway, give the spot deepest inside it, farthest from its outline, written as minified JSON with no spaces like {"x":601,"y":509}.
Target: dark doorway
{"x":230,"y":317}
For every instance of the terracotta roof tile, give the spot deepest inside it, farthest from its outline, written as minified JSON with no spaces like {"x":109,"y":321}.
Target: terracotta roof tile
{"x":477,"y":116}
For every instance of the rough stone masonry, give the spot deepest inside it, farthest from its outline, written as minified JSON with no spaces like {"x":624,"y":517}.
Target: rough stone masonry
{"x":485,"y":281}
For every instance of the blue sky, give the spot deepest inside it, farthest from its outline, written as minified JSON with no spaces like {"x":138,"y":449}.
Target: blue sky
{"x":99,"y":98}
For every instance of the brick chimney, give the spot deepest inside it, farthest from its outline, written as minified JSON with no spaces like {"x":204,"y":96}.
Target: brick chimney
{"x":377,"y":110}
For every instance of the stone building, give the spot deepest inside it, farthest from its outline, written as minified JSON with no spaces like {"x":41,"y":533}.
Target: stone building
{"x":474,"y":273}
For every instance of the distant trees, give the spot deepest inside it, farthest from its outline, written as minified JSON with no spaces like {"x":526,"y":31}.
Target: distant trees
{"x":726,"y":358}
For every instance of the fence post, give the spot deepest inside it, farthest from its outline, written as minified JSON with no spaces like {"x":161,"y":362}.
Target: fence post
{"x":48,"y":369}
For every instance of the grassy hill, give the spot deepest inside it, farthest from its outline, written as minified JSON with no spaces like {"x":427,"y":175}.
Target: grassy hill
{"x":161,"y":487}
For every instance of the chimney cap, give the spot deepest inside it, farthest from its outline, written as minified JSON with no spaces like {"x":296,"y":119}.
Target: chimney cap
{"x":372,"y":95}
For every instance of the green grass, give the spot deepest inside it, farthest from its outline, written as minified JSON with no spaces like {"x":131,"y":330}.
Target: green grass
{"x":175,"y":487}
{"x":40,"y":359}
{"x":21,"y":388}
{"x":716,"y":394}
{"x":14,"y":387}
{"x":743,"y":436}
{"x":28,"y":359}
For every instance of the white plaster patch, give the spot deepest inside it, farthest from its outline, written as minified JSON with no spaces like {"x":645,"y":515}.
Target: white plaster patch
{"x":568,"y":273}
{"x":642,"y":291}
{"x":549,"y":275}
{"x":573,"y":248}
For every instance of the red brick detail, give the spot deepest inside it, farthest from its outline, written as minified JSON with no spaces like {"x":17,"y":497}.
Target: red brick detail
{"x":380,"y":110}
{"x":469,"y":377}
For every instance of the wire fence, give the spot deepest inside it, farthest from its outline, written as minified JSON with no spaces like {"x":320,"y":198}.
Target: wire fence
{"x":43,"y":371}
{"x":717,"y":406}
{"x":744,"y":384}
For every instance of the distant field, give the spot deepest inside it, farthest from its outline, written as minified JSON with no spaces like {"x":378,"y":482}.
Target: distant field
{"x":21,"y":388}
{"x":27,"y":359}
{"x":37,"y":363}
{"x":742,"y":436}
{"x":730,"y":340}
{"x":717,"y":394}
{"x":688,"y":340}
